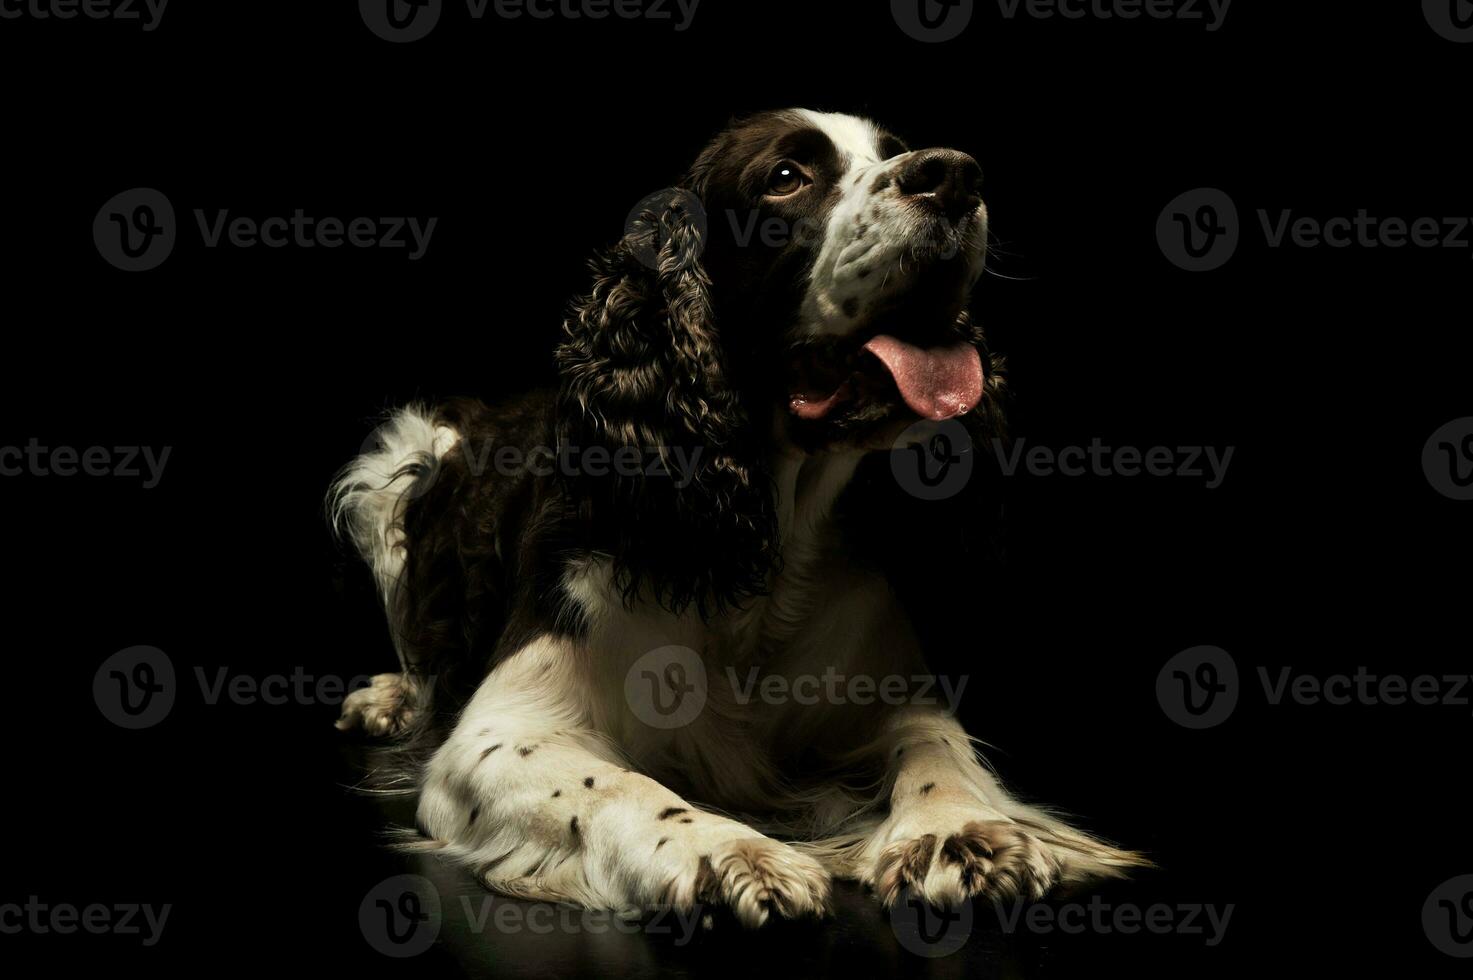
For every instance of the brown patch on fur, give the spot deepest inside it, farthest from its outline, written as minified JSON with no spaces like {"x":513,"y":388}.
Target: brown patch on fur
{"x":902,"y":864}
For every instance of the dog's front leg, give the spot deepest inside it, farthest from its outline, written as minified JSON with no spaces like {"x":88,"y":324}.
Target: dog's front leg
{"x":542,"y":806}
{"x":952,"y":832}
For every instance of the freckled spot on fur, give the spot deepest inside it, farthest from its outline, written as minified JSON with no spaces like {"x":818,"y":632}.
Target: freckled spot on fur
{"x":556,"y":793}
{"x":588,"y":782}
{"x":881,"y":183}
{"x":666,"y":814}
{"x":662,"y":842}
{"x":686,"y":820}
{"x":573,"y":826}
{"x":475,"y":812}
{"x":487,"y":752}
{"x":918,"y":858}
{"x":927,"y":788}
{"x":526,"y":750}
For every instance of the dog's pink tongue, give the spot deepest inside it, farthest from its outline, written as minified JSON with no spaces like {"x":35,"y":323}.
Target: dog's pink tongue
{"x":936,"y":382}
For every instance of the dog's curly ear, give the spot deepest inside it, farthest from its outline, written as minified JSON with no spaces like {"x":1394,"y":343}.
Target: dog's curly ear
{"x":683,"y":506}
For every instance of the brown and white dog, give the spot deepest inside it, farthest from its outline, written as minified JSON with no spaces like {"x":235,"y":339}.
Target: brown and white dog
{"x":675,"y":514}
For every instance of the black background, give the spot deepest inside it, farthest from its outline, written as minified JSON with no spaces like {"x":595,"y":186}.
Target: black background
{"x":1328,"y":369}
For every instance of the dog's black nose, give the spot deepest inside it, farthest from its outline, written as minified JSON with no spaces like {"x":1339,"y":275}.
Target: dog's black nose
{"x":951,"y":178}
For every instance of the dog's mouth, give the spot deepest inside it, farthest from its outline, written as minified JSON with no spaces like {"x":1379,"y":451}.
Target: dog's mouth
{"x":940,"y":381}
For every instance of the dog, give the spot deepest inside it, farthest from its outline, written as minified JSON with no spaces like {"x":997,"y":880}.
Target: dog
{"x":562,"y":574}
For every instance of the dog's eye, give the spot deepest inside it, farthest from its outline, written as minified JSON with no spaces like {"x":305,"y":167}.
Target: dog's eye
{"x":787,"y":178}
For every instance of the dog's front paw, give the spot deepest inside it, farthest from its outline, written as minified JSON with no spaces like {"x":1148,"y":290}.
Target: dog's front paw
{"x":992,"y":857}
{"x":383,"y":708}
{"x":754,"y":877}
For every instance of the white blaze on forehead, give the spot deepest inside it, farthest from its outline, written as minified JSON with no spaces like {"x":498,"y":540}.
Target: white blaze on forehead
{"x":857,"y":138}
{"x":851,"y":264}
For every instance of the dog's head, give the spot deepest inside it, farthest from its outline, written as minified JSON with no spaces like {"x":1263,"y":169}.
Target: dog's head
{"x":846,"y":259}
{"x":806,"y":289}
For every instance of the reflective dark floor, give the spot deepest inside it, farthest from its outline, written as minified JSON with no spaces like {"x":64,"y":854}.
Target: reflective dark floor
{"x":427,"y":911}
